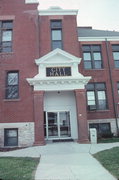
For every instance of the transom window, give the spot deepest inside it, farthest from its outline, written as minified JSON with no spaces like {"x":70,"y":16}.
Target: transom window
{"x":12,"y":85}
{"x":6,"y":28}
{"x":115,"y":49}
{"x":92,"y":57}
{"x":56,"y":34}
{"x":96,"y":96}
{"x":11,"y":137}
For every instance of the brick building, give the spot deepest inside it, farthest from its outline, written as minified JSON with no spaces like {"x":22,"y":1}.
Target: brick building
{"x":56,"y":79}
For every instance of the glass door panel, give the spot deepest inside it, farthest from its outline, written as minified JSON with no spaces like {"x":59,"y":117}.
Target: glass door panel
{"x":52,"y":124}
{"x":64,"y":124}
{"x":45,"y":125}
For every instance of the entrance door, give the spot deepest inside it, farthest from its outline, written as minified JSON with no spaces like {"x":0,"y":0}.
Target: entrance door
{"x":57,"y":125}
{"x":52,"y":124}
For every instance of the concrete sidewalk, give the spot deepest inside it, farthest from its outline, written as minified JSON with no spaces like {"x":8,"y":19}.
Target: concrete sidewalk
{"x":71,"y":167}
{"x":67,"y":161}
{"x":72,"y":161}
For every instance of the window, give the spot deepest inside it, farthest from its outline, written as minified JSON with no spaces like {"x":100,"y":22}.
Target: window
{"x":92,"y":57}
{"x":118,"y":87}
{"x":56,"y":34}
{"x":102,"y":128}
{"x":115,"y":49}
{"x":6,"y":36}
{"x":96,"y":96}
{"x":12,"y":85}
{"x":11,"y":137}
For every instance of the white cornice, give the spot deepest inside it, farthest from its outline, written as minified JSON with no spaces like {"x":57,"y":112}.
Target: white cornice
{"x":58,"y":84}
{"x":61,"y":80}
{"x":58,"y":11}
{"x":116,"y":38}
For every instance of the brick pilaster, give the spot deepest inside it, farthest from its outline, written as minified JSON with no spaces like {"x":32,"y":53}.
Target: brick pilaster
{"x":39,"y":117}
{"x":81,"y":116}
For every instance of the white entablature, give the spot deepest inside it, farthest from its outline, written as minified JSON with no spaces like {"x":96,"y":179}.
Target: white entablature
{"x":58,"y":70}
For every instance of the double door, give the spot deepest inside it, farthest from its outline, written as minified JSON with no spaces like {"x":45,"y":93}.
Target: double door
{"x":57,"y":125}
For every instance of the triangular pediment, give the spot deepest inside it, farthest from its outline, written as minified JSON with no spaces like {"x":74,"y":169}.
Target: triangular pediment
{"x":58,"y":70}
{"x":58,"y":56}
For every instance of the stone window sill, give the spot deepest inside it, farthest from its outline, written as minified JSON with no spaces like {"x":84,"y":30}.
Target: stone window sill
{"x":99,"y":111}
{"x":11,"y":100}
{"x":4,"y":53}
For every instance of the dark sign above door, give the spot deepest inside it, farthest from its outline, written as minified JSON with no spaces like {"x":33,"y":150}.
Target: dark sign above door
{"x":58,"y":71}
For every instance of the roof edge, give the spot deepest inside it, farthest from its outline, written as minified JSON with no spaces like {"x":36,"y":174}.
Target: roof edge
{"x":106,"y":38}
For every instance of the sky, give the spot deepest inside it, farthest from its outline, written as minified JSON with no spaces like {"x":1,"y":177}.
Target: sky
{"x":100,"y":14}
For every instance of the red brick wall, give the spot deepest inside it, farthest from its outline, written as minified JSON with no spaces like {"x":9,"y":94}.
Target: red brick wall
{"x":69,"y":30}
{"x":25,"y":50}
{"x":31,"y":41}
{"x":103,"y":76}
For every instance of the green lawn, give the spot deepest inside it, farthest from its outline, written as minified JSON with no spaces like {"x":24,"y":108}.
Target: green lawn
{"x":18,"y":168}
{"x":108,"y":140}
{"x":110,"y":160}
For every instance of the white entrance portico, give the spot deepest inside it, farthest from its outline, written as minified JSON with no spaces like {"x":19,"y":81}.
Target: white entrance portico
{"x":61,"y":85}
{"x":61,"y":118}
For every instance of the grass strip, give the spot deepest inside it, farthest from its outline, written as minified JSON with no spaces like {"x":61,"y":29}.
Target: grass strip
{"x":110,"y":160}
{"x":12,"y":168}
{"x":108,"y":140}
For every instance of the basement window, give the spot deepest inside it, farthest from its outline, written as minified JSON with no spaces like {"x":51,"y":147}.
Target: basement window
{"x":103,"y":129}
{"x":11,"y":137}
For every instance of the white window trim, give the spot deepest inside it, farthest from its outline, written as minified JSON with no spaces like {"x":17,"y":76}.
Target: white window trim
{"x":31,"y":1}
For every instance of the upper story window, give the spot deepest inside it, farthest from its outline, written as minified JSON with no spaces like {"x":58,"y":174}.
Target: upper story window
{"x":92,"y":57}
{"x":96,"y":96}
{"x":115,"y":49}
{"x":12,"y":85}
{"x":56,"y":34}
{"x":118,"y":87}
{"x":6,"y":28}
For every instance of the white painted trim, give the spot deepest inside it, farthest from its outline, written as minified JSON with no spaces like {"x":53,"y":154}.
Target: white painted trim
{"x":63,"y":84}
{"x":58,"y":11}
{"x":116,"y":38}
{"x":59,"y":80}
{"x":58,"y":58}
{"x":72,"y":58}
{"x":58,"y":124}
{"x":31,"y":1}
